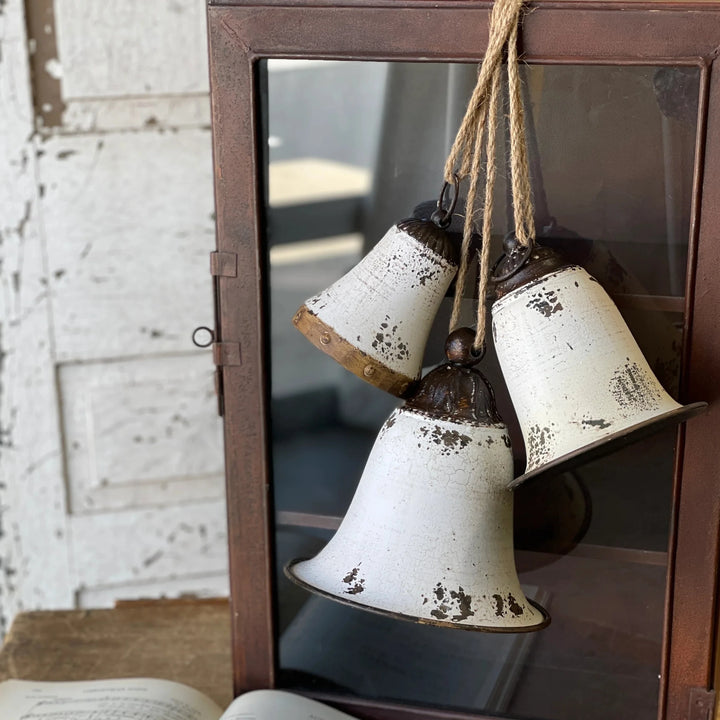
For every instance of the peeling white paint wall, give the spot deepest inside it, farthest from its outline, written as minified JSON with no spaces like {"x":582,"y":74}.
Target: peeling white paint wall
{"x":111,"y":461}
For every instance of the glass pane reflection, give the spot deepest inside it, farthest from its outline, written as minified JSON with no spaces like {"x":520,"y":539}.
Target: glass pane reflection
{"x":353,"y":148}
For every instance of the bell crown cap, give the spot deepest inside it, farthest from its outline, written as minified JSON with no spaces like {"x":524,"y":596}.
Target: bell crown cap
{"x":457,"y":391}
{"x":520,"y":266}
{"x":432,"y":237}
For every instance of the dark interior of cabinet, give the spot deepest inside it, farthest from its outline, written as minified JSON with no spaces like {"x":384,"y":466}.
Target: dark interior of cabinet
{"x":591,"y":544}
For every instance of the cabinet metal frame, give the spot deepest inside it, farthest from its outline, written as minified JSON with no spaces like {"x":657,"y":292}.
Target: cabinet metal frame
{"x":243,"y":32}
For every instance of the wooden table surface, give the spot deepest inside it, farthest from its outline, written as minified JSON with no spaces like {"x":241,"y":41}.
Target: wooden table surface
{"x":187,"y":641}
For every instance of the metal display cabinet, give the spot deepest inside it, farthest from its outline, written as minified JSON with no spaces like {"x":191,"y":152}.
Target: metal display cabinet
{"x":633,"y":606}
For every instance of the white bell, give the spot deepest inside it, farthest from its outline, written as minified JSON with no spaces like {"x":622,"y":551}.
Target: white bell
{"x":375,"y":319}
{"x":578,"y":381}
{"x":428,"y":536}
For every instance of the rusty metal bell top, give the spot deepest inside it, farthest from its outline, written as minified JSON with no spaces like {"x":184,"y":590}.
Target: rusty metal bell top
{"x":457,"y":391}
{"x":521,"y":265}
{"x":433,"y":237}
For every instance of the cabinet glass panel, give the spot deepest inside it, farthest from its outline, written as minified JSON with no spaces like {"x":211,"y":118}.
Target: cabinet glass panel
{"x":352,"y":149}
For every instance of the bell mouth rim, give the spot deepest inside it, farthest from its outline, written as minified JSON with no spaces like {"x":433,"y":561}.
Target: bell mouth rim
{"x":546,"y":619}
{"x":612,"y":442}
{"x":360,"y":363}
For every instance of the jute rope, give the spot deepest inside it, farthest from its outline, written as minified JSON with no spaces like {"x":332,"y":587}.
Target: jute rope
{"x":474,"y":149}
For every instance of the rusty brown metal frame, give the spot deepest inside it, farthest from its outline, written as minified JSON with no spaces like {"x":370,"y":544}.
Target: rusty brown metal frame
{"x":614,"y":32}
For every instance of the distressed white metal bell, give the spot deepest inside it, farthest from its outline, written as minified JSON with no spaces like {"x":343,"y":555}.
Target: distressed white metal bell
{"x":375,"y":320}
{"x":578,"y":381}
{"x":428,"y":536}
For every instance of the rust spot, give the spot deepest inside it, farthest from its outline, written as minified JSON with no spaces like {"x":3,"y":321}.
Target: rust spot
{"x":463,"y":602}
{"x":356,"y":585}
{"x":546,"y":303}
{"x":428,"y":275}
{"x":515,"y":607}
{"x":498,"y":605}
{"x":599,"y":423}
{"x":448,"y":440}
{"x":539,"y":442}
{"x":634,"y":388}
{"x":388,"y":344}
{"x":447,"y":601}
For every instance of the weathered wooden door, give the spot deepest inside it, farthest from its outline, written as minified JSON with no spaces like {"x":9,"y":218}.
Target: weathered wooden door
{"x":111,"y":448}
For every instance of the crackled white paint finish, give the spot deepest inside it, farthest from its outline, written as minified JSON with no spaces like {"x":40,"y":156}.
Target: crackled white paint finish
{"x":429,"y":531}
{"x":132,"y":48}
{"x":34,"y":567}
{"x":573,"y":369}
{"x":386,"y":304}
{"x":110,"y":446}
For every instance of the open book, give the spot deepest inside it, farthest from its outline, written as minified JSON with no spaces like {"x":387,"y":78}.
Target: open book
{"x":145,"y":699}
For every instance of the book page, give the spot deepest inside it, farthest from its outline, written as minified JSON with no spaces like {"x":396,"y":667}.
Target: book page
{"x":131,"y":699}
{"x":279,"y":705}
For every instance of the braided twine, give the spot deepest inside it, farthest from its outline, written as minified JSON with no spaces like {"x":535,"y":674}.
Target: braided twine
{"x":474,"y":149}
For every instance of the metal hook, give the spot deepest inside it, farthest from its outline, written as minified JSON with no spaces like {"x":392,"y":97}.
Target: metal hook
{"x":202,"y":328}
{"x":441,"y":217}
{"x":515,"y":256}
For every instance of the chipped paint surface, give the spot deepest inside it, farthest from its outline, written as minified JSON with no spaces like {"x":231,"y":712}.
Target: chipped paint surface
{"x":573,"y":369}
{"x":539,"y":442}
{"x":635,"y":388}
{"x":355,"y":584}
{"x":448,"y":440}
{"x":386,"y":304}
{"x":91,"y":439}
{"x":34,"y":564}
{"x":428,"y":534}
{"x":453,"y":605}
{"x":546,"y":303}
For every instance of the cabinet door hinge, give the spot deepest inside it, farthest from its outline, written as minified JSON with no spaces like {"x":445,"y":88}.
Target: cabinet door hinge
{"x":226,"y":353}
{"x":702,"y":704}
{"x":223,"y":264}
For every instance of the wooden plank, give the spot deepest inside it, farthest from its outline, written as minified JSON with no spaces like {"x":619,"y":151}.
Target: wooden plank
{"x":34,"y":568}
{"x":128,"y":113}
{"x":129,"y":221}
{"x":141,"y":432}
{"x":187,"y":642}
{"x":195,"y":586}
{"x":131,"y":48}
{"x":145,"y":545}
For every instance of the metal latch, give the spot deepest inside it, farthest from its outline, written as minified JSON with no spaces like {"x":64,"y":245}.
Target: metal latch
{"x":702,"y":704}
